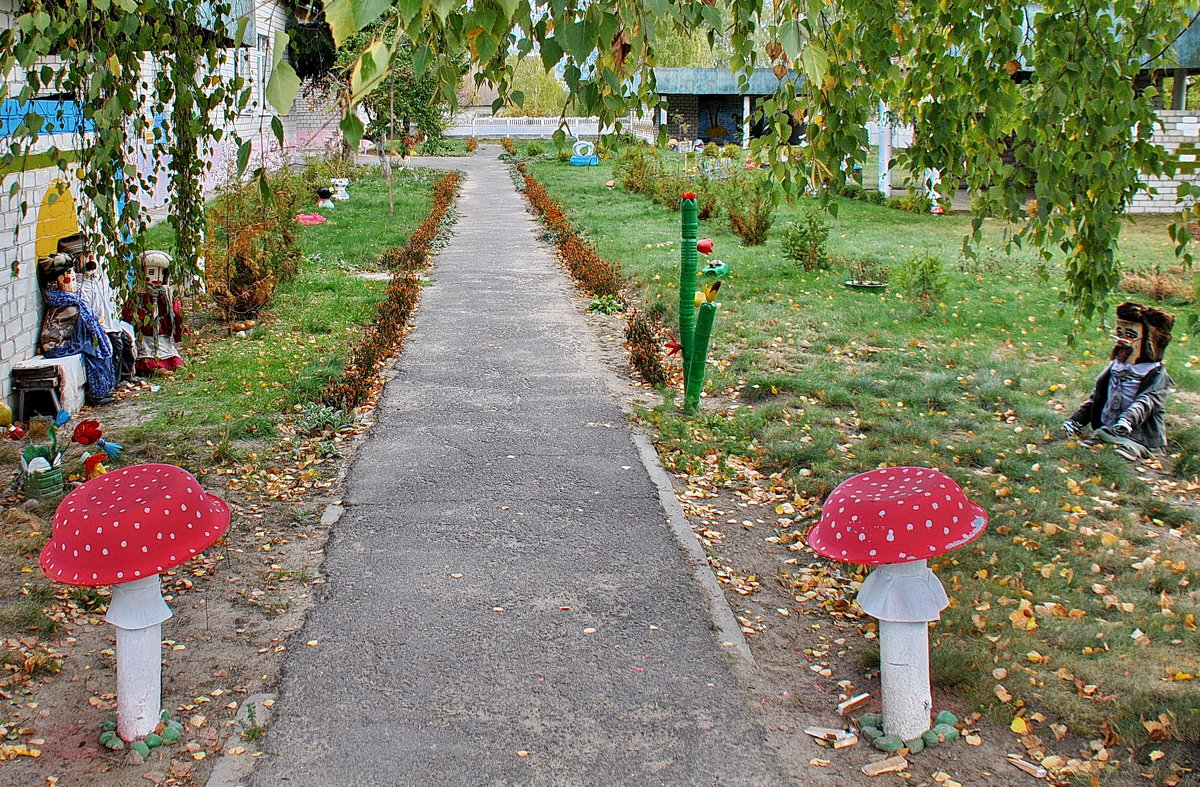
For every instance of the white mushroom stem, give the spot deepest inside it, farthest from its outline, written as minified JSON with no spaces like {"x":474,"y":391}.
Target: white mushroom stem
{"x":904,"y":597}
{"x":904,"y":668}
{"x":137,"y":611}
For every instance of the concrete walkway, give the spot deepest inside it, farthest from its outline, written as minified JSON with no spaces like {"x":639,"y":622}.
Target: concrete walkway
{"x":506,"y":604}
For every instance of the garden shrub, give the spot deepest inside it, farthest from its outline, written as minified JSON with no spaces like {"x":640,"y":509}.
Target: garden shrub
{"x":253,"y":244}
{"x":472,"y":144}
{"x":641,"y":339}
{"x":851,"y":190}
{"x":634,"y":171}
{"x":922,"y":280}
{"x":534,"y":149}
{"x":868,"y":269}
{"x":711,"y":150}
{"x":750,"y":202}
{"x":707,"y":193}
{"x":911,"y":202}
{"x":563,"y":155}
{"x":804,"y":242}
{"x":874,"y":197}
{"x":509,"y":146}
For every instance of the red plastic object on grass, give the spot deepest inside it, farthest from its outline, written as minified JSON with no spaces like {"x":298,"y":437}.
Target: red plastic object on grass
{"x":896,"y":515}
{"x":704,"y":245}
{"x":311,"y":219}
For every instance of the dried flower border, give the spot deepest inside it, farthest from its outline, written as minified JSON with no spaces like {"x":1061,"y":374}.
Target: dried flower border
{"x":595,"y":275}
{"x":385,"y":336}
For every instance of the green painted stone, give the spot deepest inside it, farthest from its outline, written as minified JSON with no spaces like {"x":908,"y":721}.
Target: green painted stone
{"x":108,"y":725}
{"x":154,"y":741}
{"x":946,"y":717}
{"x":888,"y":743}
{"x":141,"y":748}
{"x":871,"y":720}
{"x":170,"y":735}
{"x":166,"y":714}
{"x":109,"y":739}
{"x":915,"y":746}
{"x":931,"y":738}
{"x":945,"y":732}
{"x":175,"y":725}
{"x":870,"y":733}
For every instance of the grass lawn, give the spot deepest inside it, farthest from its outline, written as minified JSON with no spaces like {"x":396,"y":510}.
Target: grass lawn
{"x":820,"y":382}
{"x":239,"y":387}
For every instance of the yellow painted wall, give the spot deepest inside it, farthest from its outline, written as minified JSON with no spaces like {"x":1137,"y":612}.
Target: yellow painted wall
{"x":56,"y":218}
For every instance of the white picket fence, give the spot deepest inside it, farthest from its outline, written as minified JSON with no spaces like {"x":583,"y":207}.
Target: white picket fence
{"x":489,"y":127}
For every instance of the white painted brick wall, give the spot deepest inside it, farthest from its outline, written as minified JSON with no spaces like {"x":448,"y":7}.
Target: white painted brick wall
{"x":21,"y":302}
{"x":1178,"y":126}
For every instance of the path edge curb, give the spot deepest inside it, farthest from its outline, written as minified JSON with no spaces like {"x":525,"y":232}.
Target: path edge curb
{"x":720,"y":614}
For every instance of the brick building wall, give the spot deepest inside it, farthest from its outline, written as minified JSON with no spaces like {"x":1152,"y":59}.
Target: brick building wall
{"x":1180,"y":135}
{"x":21,"y":304}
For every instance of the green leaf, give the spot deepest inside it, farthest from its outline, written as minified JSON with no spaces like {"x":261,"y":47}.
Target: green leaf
{"x":551,"y":53}
{"x":347,"y":17}
{"x":277,"y":130}
{"x":283,"y":84}
{"x":352,"y":127}
{"x":816,"y":63}
{"x":370,"y":69}
{"x":243,"y":157}
{"x":240,"y":36}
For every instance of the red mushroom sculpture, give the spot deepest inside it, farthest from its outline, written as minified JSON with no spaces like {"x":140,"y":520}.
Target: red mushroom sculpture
{"x":123,"y":529}
{"x":897,"y":518}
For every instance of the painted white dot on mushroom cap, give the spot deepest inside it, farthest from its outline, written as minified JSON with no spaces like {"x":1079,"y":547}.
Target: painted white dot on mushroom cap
{"x":124,"y":543}
{"x":862,"y":536}
{"x":945,"y":531}
{"x":75,"y":552}
{"x":120,"y":575}
{"x":934,"y":506}
{"x":146,"y":510}
{"x":872,"y":553}
{"x":145,"y":549}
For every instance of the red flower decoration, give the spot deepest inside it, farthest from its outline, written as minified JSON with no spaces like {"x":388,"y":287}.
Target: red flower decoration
{"x":87,"y":432}
{"x":91,"y":463}
{"x":16,"y":432}
{"x":673,"y":345}
{"x":688,"y":195}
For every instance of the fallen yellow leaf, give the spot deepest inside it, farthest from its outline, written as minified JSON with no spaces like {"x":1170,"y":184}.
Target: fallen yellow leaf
{"x":1019,"y":726}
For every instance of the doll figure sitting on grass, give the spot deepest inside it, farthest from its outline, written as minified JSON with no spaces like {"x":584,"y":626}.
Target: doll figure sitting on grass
{"x":1126,"y":407}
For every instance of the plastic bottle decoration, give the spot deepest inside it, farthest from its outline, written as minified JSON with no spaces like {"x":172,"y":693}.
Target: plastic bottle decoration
{"x":41,"y":463}
{"x":124,"y":529}
{"x":697,"y":309}
{"x":584,"y":154}
{"x":339,"y":189}
{"x":324,"y":197}
{"x":897,"y":518}
{"x":157,"y":316}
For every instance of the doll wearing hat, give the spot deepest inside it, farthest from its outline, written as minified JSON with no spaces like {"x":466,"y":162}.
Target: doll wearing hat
{"x":156,"y":315}
{"x":96,"y":291}
{"x":69,"y":327}
{"x":1127,"y":405}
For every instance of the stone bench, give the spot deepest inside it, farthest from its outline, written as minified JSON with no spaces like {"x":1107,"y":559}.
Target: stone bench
{"x":41,"y":383}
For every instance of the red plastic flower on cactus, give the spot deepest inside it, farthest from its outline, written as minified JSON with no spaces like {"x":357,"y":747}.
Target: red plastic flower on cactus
{"x":673,"y":345}
{"x":16,"y":432}
{"x":92,"y":466}
{"x":688,"y":195}
{"x":87,"y":432}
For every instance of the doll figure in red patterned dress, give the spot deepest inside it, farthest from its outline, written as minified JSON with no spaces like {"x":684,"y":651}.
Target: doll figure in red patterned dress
{"x":156,"y":316}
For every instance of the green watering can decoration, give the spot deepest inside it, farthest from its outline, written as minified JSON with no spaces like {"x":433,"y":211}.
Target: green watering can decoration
{"x":697,"y":307}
